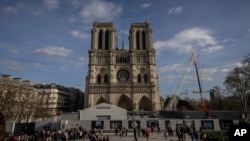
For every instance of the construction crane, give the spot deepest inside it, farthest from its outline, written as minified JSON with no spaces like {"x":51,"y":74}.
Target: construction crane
{"x":203,"y":103}
{"x":171,"y":106}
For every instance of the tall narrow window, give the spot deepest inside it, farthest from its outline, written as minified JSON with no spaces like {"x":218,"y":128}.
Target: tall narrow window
{"x":145,"y":78}
{"x":100,"y":40}
{"x":106,"y":79}
{"x":107,"y":40}
{"x":139,"y":78}
{"x":99,"y":79}
{"x":137,"y":40}
{"x":143,"y":40}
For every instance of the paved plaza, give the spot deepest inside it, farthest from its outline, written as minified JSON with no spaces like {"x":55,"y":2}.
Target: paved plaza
{"x":153,"y":137}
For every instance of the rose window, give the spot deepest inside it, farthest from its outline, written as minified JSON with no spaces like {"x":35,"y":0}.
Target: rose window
{"x":123,"y":75}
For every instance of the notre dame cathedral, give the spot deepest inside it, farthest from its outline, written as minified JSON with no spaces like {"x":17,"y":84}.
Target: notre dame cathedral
{"x":123,"y":77}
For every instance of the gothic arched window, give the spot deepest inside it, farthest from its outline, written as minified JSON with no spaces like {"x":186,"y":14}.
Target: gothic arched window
{"x":145,"y":78}
{"x":100,"y":40}
{"x":137,"y":40}
{"x":99,"y":79}
{"x":106,"y":78}
{"x":143,"y":40}
{"x":139,"y":78}
{"x":107,"y":40}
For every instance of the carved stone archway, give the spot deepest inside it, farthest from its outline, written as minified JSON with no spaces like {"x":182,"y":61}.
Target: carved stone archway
{"x":125,"y":102}
{"x":145,"y":104}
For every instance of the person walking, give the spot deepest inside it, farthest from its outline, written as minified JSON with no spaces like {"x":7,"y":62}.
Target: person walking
{"x":147,"y":134}
{"x":165,"y":134}
{"x":135,"y":136}
{"x":191,"y":132}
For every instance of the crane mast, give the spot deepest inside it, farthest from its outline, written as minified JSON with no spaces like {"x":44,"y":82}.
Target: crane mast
{"x":171,"y":106}
{"x":203,"y":104}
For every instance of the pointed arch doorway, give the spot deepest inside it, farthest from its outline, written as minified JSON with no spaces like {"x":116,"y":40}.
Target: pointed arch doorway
{"x":145,"y":104}
{"x":101,"y":100}
{"x":125,"y":102}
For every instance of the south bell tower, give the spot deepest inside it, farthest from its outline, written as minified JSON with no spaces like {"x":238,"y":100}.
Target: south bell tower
{"x":123,"y":77}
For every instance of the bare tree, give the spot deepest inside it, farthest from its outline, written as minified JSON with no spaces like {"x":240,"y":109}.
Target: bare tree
{"x":7,"y":95}
{"x":25,"y":102}
{"x":3,"y":134}
{"x":17,"y":99}
{"x":238,"y":82}
{"x":216,"y":102}
{"x":41,"y":107}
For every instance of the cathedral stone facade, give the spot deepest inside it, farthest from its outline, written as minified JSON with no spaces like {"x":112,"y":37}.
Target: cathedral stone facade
{"x":123,"y":77}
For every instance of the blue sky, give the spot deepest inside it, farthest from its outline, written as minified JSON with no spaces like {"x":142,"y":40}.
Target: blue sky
{"x":48,"y":40}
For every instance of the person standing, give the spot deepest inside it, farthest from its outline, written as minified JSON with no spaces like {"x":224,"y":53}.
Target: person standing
{"x":126,"y":131}
{"x":191,"y":134}
{"x":179,"y":134}
{"x":221,"y":138}
{"x":204,"y":136}
{"x":139,"y":131}
{"x":158,"y":129}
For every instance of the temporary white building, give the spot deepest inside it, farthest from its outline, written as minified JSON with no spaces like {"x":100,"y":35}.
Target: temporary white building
{"x":103,"y":111}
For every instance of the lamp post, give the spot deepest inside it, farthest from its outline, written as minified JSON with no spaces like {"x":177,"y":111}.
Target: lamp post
{"x":134,"y":125}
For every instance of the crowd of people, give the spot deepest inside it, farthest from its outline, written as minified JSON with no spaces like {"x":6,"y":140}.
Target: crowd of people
{"x":72,"y":134}
{"x":75,"y":134}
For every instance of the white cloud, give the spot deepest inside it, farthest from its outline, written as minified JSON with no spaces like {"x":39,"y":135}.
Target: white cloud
{"x":146,"y":5}
{"x":228,"y":67}
{"x":248,"y":33}
{"x":36,"y":64}
{"x":166,"y":79}
{"x":212,"y":49}
{"x":99,"y":10}
{"x":72,"y":19}
{"x":207,"y":79}
{"x":14,"y":51}
{"x":78,"y":34}
{"x":183,"y":41}
{"x":80,"y":62}
{"x":123,"y":32}
{"x":51,"y":4}
{"x":175,"y":10}
{"x":209,"y":71}
{"x":228,"y":40}
{"x":37,"y":12}
{"x":14,"y":66}
{"x":10,"y":10}
{"x":53,"y":51}
{"x":173,"y":67}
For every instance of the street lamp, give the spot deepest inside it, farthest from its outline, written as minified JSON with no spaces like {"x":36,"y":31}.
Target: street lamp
{"x":134,"y":126}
